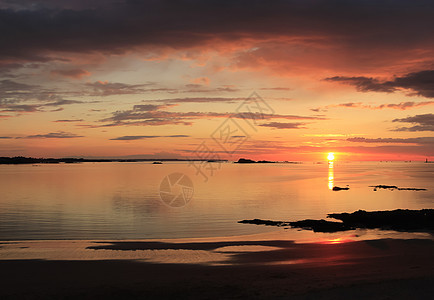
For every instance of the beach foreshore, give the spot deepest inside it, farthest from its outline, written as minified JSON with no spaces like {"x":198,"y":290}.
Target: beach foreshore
{"x":217,"y":268}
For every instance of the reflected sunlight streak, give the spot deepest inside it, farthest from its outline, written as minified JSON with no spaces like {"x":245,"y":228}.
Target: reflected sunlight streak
{"x":331,"y":175}
{"x":339,"y":240}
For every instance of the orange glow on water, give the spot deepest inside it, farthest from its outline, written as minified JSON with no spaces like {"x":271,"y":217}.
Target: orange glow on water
{"x":331,"y":176}
{"x":337,"y":241}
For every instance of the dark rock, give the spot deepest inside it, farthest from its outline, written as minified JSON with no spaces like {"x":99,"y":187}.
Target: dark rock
{"x":315,"y":225}
{"x":385,"y":187}
{"x":400,"y":219}
{"x":321,"y":225}
{"x":264,"y":222}
{"x":394,"y":187}
{"x":337,"y":188}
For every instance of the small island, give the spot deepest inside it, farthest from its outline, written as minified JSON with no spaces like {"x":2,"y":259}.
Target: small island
{"x":338,"y":188}
{"x":250,"y":161}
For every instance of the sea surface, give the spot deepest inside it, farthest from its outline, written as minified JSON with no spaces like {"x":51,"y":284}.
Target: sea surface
{"x":132,"y":200}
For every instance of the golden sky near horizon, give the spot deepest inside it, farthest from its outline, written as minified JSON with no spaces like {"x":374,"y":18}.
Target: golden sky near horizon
{"x":158,"y":79}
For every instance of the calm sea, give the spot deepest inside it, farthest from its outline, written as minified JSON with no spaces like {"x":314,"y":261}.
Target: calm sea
{"x":124,"y":200}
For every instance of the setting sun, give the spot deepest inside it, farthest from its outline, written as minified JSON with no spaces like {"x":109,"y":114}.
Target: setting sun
{"x":331,"y":156}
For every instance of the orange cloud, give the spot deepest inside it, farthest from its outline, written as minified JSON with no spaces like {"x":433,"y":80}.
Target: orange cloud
{"x":71,"y":73}
{"x":201,"y":80}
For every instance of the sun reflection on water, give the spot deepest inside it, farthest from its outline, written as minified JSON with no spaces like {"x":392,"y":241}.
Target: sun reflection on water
{"x":339,"y":240}
{"x":331,"y":175}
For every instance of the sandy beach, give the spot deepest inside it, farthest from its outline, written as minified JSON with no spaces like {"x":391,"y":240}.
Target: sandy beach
{"x":218,"y":268}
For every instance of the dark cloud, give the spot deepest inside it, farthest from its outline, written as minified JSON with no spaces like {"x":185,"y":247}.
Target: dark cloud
{"x":153,"y":115}
{"x":5,"y":137}
{"x":406,"y":105}
{"x":423,"y":122}
{"x":364,"y":84}
{"x":418,"y":83}
{"x":422,"y":83}
{"x":6,"y":68}
{"x":21,"y":108}
{"x":134,"y":137}
{"x":12,"y":91}
{"x":18,"y":108}
{"x":16,"y":97}
{"x":54,"y":135}
{"x":150,"y":107}
{"x":34,"y":31}
{"x":350,"y":104}
{"x":7,"y":86}
{"x":50,"y":4}
{"x":401,"y":106}
{"x":105,"y":88}
{"x":202,"y":100}
{"x":63,"y":102}
{"x":279,"y":125}
{"x":68,"y":120}
{"x":199,"y":88}
{"x":141,"y":137}
{"x":418,"y":140}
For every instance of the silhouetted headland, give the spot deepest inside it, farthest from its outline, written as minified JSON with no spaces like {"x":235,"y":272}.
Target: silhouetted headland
{"x":399,"y":219}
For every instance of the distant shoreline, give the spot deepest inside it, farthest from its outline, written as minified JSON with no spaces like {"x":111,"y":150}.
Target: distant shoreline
{"x":31,"y":160}
{"x":18,"y":160}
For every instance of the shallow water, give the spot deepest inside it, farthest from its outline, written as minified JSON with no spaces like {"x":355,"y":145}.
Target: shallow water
{"x":122,"y":200}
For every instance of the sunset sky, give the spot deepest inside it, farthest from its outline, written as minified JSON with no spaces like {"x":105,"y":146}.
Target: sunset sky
{"x":157,"y":79}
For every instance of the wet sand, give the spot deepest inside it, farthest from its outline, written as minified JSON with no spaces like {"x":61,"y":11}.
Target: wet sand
{"x":217,"y":269}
